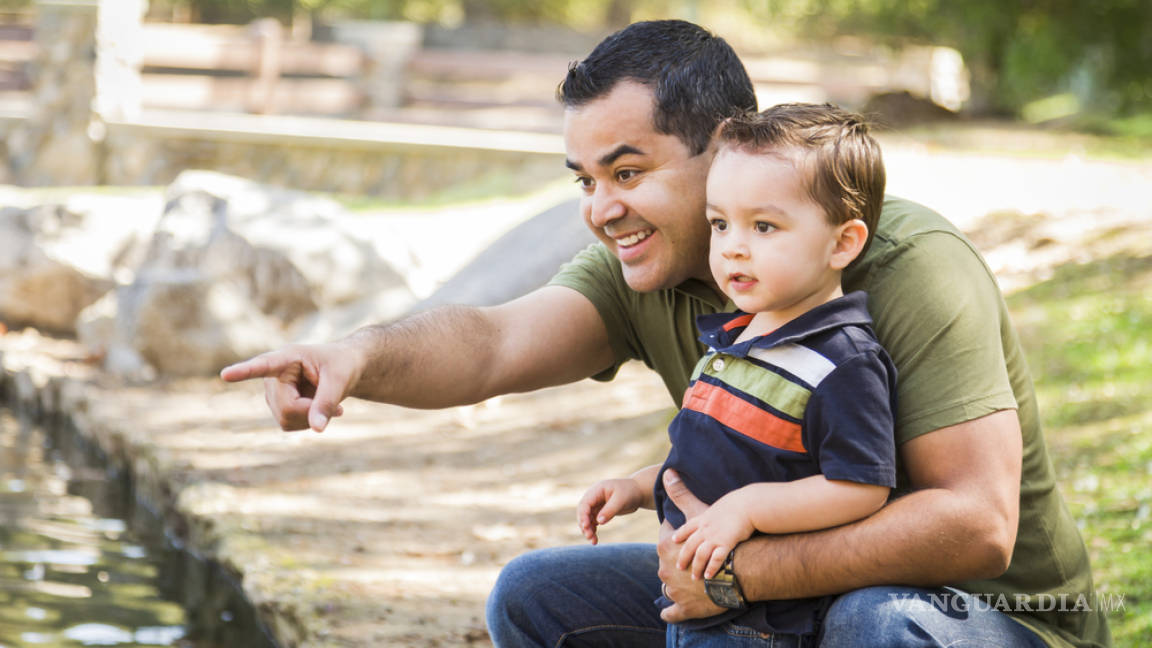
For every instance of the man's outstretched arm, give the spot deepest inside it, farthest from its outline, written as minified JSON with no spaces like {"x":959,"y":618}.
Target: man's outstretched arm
{"x":959,"y":524}
{"x":448,"y":356}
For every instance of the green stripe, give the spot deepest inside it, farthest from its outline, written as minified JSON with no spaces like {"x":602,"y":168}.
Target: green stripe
{"x":700,"y":366}
{"x":782,"y":394}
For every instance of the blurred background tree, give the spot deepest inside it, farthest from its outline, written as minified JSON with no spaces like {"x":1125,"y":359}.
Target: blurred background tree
{"x":584,"y":13}
{"x":1037,"y":58}
{"x":1097,"y":55}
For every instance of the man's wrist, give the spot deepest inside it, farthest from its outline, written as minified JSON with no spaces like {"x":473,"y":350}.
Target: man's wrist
{"x":724,"y":588}
{"x":744,"y":563}
{"x":362,"y":348}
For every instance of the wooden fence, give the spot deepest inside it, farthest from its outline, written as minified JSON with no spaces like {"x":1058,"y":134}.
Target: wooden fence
{"x":256,"y":68}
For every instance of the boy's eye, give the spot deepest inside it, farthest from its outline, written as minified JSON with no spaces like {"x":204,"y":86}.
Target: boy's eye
{"x":718,"y":224}
{"x":763,"y":227}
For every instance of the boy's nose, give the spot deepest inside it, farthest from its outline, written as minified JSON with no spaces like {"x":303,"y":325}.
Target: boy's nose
{"x":735,"y":250}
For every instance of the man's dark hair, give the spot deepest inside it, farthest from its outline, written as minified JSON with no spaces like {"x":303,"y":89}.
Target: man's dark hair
{"x":696,"y":78}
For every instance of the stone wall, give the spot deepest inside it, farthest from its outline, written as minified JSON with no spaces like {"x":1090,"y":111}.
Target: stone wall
{"x":53,"y":145}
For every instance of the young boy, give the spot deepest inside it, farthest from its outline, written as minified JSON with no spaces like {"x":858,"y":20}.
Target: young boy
{"x":787,"y":423}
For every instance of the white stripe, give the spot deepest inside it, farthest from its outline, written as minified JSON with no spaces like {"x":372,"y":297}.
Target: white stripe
{"x":800,"y":361}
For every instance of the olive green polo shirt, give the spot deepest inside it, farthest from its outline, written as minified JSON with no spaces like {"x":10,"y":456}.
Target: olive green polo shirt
{"x":942,"y":318}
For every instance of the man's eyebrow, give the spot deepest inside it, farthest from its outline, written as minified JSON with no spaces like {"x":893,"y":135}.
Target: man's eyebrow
{"x":608,"y":158}
{"x":622,"y":150}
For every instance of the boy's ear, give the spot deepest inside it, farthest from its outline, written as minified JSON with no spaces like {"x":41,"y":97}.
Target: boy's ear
{"x":850,"y":239}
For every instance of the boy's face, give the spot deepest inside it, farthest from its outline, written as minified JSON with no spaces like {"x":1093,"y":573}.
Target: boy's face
{"x":643,"y":190}
{"x":772,"y":247}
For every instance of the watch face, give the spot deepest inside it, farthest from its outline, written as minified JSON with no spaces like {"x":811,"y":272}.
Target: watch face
{"x":724,"y":594}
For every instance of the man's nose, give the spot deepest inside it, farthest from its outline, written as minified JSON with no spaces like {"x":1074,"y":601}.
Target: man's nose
{"x":605,"y":207}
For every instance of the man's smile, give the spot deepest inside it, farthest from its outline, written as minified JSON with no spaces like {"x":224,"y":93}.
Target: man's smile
{"x":632,"y":239}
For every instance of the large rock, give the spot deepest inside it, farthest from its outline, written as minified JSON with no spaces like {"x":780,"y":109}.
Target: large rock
{"x":179,"y":324}
{"x":216,"y":220}
{"x":231,"y":266}
{"x":46,"y":275}
{"x":520,"y":261}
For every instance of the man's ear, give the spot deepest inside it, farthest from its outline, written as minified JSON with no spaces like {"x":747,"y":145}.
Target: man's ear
{"x":850,"y":239}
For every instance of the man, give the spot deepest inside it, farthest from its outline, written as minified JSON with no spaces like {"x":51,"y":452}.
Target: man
{"x":977,"y":507}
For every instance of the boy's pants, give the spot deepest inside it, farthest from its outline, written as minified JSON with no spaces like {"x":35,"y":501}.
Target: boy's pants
{"x":604,"y":596}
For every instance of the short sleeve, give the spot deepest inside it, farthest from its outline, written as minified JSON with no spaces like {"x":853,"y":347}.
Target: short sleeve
{"x":593,"y":274}
{"x":848,"y":421}
{"x":939,"y":313}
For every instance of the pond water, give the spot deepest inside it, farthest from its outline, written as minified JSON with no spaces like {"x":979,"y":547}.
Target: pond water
{"x":81,"y":565}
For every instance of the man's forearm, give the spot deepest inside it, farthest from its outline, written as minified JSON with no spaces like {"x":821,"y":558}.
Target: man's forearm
{"x":928,"y":538}
{"x":455,"y":355}
{"x":430,"y":360}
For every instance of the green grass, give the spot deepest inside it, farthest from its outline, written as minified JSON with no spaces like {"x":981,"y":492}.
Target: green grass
{"x":1088,"y":335}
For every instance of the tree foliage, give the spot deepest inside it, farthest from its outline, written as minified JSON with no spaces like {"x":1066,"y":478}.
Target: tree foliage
{"x":1018,"y":50}
{"x":587,"y":13}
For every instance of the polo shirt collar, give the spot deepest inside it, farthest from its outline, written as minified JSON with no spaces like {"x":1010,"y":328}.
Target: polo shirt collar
{"x":851,"y":309}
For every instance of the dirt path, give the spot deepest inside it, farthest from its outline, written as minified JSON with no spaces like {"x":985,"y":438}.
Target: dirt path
{"x":390,"y":528}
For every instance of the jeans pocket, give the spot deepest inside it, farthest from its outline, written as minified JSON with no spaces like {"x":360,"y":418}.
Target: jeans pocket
{"x":729,"y":635}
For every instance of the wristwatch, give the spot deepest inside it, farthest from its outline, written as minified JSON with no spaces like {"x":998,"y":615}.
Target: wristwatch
{"x":724,"y":589}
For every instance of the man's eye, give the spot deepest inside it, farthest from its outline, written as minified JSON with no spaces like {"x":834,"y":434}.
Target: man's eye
{"x":625,"y":175}
{"x":764,"y":228}
{"x":585,"y":183}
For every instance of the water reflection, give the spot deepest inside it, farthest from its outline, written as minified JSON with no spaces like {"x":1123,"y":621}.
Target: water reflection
{"x":72,"y":572}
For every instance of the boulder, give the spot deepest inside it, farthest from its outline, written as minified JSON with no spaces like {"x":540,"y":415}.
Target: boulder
{"x":518,"y":262}
{"x":43,"y":281}
{"x":306,"y":230}
{"x":230,"y":267}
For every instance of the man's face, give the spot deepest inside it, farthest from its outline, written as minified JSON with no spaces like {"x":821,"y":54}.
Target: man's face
{"x":643,"y":190}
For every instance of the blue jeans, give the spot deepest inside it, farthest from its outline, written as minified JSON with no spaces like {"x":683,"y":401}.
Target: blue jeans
{"x":731,"y":635}
{"x":603,"y":596}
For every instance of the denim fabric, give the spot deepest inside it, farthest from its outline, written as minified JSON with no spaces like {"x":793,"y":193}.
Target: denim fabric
{"x":604,"y":595}
{"x":601,"y":596}
{"x":730,"y":635}
{"x":905,"y":616}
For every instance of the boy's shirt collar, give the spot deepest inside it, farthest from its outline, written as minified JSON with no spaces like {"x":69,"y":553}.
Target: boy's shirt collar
{"x":851,"y":309}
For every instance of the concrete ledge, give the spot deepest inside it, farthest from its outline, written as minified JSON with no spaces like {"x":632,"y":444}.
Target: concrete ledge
{"x":397,"y":161}
{"x":389,"y":160}
{"x":311,"y":131}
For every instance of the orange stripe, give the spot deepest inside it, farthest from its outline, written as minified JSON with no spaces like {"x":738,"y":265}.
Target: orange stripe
{"x":744,"y":417}
{"x":743,"y":320}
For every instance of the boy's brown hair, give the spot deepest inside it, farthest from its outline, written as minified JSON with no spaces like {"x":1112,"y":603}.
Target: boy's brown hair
{"x":840,"y":161}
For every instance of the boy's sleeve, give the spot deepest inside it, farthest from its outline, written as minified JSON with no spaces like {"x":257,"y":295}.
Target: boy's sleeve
{"x":848,"y":422}
{"x":594,"y":274}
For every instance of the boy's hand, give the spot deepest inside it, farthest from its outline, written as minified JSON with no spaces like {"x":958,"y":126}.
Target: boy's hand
{"x":606,"y":500}
{"x":709,"y":537}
